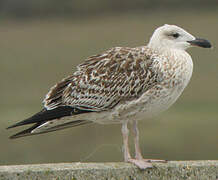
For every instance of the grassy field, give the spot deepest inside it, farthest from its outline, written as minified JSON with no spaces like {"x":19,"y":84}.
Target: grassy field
{"x":36,"y":54}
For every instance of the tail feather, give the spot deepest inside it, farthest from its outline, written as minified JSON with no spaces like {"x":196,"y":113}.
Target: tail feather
{"x":46,"y":115}
{"x":26,"y":132}
{"x":29,"y":131}
{"x":51,"y":117}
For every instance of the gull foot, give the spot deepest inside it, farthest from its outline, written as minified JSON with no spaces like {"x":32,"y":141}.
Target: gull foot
{"x":140,"y":163}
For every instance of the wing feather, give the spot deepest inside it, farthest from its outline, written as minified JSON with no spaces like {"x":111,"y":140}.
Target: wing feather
{"x":104,"y":80}
{"x":50,"y":120}
{"x":99,"y":84}
{"x":37,"y":128}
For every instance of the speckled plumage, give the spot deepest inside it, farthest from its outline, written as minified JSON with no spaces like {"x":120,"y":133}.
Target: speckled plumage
{"x":108,"y":82}
{"x":105,"y":80}
{"x":120,"y":85}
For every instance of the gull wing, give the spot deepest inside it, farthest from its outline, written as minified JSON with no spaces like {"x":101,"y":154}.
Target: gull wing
{"x":50,"y":120}
{"x":99,"y":84}
{"x":104,"y":80}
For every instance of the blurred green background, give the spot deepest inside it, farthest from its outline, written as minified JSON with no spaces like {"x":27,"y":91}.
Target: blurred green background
{"x":43,"y":41}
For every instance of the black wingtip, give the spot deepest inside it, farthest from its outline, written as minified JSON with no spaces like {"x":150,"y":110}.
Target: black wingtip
{"x":15,"y":125}
{"x":15,"y":136}
{"x":26,"y":132}
{"x":48,"y":115}
{"x":19,"y":135}
{"x":32,"y":119}
{"x":19,"y":124}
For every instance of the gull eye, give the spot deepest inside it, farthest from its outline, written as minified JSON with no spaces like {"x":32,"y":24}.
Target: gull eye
{"x":175,"y":35}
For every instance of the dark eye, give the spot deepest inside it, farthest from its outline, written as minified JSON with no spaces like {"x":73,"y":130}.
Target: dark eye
{"x":175,"y":35}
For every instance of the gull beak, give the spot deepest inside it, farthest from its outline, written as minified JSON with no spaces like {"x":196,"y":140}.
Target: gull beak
{"x":200,"y":42}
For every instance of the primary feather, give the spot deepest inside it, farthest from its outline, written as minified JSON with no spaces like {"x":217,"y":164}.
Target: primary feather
{"x":46,"y":119}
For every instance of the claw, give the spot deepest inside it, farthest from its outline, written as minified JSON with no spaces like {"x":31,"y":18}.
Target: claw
{"x":140,"y":163}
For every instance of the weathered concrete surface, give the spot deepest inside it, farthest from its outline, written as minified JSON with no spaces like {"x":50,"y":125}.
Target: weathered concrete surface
{"x":173,"y":170}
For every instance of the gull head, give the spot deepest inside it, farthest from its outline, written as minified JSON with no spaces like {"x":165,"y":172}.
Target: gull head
{"x":174,"y":37}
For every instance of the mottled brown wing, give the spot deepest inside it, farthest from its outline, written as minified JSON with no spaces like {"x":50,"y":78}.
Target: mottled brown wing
{"x":104,"y":80}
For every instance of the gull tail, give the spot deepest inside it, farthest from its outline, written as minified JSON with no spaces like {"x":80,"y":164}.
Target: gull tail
{"x":50,"y":120}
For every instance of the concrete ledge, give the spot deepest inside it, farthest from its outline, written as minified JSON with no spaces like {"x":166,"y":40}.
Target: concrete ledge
{"x":173,"y":170}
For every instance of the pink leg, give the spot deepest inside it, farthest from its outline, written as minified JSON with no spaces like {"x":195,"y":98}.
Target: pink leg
{"x":125,"y":133}
{"x":138,"y":154}
{"x":127,"y":157}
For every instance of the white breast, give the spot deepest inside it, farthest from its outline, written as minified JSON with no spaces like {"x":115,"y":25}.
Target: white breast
{"x":176,"y":71}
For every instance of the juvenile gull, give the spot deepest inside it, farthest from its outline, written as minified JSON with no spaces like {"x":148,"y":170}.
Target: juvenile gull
{"x":120,"y":85}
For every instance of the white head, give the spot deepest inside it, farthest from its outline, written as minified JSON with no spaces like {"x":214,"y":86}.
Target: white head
{"x":174,"y":37}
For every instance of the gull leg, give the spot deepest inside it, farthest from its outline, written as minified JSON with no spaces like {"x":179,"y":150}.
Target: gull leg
{"x":125,"y":133}
{"x":127,"y":157}
{"x":138,"y":154}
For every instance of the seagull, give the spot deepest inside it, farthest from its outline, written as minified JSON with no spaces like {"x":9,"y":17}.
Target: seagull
{"x":121,"y":85}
